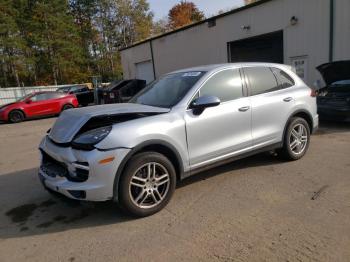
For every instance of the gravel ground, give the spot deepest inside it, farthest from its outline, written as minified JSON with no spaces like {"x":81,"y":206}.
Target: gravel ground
{"x":255,"y":209}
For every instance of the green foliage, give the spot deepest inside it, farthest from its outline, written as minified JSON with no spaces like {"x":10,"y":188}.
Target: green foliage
{"x":67,"y":41}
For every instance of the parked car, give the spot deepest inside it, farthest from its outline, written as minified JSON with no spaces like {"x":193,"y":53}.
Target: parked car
{"x":84,"y":95}
{"x":333,"y":100}
{"x":185,"y":122}
{"x":37,"y":105}
{"x":122,"y":91}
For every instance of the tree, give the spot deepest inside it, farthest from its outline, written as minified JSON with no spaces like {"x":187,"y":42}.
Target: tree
{"x":183,"y":14}
{"x":160,"y":27}
{"x":67,"y":41}
{"x":54,"y":37}
{"x":120,"y":23}
{"x":12,"y":46}
{"x":83,"y":12}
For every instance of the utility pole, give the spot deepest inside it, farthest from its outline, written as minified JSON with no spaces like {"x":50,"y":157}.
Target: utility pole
{"x":96,"y":81}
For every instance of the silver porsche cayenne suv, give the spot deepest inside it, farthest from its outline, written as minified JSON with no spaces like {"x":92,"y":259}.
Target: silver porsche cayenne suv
{"x":182,"y":123}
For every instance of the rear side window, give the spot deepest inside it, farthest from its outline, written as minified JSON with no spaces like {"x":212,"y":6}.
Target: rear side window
{"x":284,"y":80}
{"x":261,"y":80}
{"x":53,"y":95}
{"x":39,"y":97}
{"x":226,"y":85}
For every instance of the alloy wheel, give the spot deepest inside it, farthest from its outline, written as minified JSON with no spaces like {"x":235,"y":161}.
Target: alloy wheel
{"x":149,"y":185}
{"x":298,"y":139}
{"x":16,"y":117}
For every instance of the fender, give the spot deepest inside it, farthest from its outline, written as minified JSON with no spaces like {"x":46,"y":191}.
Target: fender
{"x":136,"y":149}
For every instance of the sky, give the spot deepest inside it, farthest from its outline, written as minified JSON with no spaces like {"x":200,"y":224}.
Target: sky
{"x":161,"y":8}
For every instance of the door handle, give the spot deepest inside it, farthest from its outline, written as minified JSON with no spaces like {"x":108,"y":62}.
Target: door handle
{"x":288,"y":99}
{"x":244,"y":109}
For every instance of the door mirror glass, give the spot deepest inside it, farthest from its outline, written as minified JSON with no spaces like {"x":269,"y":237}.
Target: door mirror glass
{"x":205,"y":102}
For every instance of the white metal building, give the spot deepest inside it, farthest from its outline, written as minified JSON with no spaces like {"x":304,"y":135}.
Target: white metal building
{"x":303,"y":33}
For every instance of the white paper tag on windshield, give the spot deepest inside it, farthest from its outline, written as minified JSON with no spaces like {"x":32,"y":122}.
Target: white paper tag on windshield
{"x":191,"y":74}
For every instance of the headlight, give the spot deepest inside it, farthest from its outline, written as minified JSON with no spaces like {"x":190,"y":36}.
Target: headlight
{"x":87,"y":140}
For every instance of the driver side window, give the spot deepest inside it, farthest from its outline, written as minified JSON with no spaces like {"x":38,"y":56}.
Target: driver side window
{"x":226,"y":85}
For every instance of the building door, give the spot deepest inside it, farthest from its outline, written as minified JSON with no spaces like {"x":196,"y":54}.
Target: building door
{"x":144,"y":71}
{"x":263,"y":48}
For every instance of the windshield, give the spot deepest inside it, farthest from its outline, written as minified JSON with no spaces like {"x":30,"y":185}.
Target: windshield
{"x":168,"y":90}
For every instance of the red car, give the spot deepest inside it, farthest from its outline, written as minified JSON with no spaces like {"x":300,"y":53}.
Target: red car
{"x":37,"y":105}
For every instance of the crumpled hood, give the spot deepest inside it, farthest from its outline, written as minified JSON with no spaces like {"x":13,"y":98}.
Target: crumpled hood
{"x":335,"y":71}
{"x":71,"y":121}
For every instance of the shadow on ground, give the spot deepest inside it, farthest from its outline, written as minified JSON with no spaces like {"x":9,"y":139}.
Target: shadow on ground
{"x":27,"y":209}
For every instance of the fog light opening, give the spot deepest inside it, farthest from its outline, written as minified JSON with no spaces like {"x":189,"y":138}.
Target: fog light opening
{"x":79,"y":194}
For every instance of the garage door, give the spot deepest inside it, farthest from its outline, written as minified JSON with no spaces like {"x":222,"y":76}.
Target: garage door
{"x":144,"y":71}
{"x":263,"y":48}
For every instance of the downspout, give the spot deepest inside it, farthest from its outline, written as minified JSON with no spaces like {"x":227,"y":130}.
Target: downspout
{"x":154,"y":70}
{"x":331,"y":30}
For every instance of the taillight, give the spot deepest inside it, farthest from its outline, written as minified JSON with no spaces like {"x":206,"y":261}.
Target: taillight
{"x":313,"y":93}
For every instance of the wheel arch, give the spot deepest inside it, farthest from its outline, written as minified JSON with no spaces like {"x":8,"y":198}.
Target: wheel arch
{"x":302,"y":114}
{"x":67,"y":104}
{"x":17,"y":109}
{"x":158,"y":146}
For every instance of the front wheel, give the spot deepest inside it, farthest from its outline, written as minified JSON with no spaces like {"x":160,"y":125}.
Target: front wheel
{"x":16,"y":116}
{"x":147,"y":184}
{"x":296,"y":139}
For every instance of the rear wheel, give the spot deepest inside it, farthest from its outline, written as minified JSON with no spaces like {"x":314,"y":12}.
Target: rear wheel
{"x":16,"y":116}
{"x":67,"y":106}
{"x":147,"y":184}
{"x":296,"y":139}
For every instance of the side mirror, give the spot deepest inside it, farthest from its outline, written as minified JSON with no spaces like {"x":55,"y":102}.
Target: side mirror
{"x":203,"y":102}
{"x":28,"y":101}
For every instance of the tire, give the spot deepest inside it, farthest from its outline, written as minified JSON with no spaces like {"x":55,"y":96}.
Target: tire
{"x":296,"y":139}
{"x":16,"y":116}
{"x":67,"y":106}
{"x":141,"y":194}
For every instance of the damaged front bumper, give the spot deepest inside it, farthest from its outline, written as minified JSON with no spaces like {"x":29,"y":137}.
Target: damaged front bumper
{"x":79,"y":174}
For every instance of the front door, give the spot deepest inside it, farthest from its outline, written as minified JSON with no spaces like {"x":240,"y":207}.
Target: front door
{"x":224,"y":130}
{"x":42,"y":104}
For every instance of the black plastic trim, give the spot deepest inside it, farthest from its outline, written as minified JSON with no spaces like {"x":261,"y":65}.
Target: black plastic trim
{"x":231,"y":159}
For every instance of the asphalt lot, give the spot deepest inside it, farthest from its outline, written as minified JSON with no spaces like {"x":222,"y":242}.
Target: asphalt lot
{"x":255,"y":209}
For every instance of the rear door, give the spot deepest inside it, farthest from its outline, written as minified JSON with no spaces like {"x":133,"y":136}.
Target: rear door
{"x":218,"y":132}
{"x":272,"y":100}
